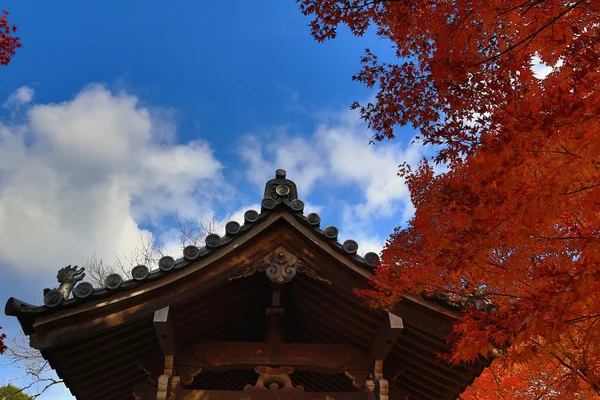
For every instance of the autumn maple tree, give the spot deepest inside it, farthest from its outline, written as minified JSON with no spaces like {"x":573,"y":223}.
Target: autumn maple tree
{"x":2,"y":338}
{"x":512,"y":230}
{"x":8,"y":43}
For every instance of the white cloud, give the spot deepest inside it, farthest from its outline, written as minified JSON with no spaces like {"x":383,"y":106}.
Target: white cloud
{"x":19,"y":97}
{"x":337,"y":154}
{"x":80,"y":177}
{"x":296,"y":155}
{"x":374,"y":168}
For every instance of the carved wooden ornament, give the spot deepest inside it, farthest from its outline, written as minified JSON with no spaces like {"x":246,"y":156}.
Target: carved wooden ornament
{"x":378,"y":384}
{"x":281,"y":267}
{"x":144,"y":391}
{"x":273,"y":379}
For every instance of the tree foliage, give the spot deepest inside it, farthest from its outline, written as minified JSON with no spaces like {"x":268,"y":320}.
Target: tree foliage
{"x":2,"y":338}
{"x":10,"y":392}
{"x":29,"y":367}
{"x":8,"y":42}
{"x":540,"y":379}
{"x":516,"y":219}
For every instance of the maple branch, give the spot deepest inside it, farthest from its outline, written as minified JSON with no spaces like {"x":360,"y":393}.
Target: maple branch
{"x":568,"y":152}
{"x":49,"y":382}
{"x":365,"y":4}
{"x":582,"y":189}
{"x":532,"y":35}
{"x":497,"y":380}
{"x":566,"y":237}
{"x":585,"y":339}
{"x":533,"y":5}
{"x":501,"y":222}
{"x":582,"y":318}
{"x":502,"y":295}
{"x":579,"y":373}
{"x":493,"y":264}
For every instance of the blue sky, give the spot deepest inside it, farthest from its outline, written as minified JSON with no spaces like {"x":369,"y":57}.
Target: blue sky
{"x":114,"y":116}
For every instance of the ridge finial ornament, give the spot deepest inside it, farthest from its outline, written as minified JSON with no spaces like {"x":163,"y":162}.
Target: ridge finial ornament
{"x":67,"y":277}
{"x":281,"y":187}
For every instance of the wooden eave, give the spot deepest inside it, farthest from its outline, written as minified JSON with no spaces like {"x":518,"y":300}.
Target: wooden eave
{"x":104,"y":345}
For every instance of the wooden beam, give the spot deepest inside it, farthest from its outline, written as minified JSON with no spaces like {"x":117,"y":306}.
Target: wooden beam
{"x":327,"y":358}
{"x":273,"y":395}
{"x":389,"y":331}
{"x":163,"y":325}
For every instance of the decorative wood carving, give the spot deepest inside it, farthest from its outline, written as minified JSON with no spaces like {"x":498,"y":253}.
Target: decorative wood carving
{"x":359,"y":378}
{"x":280,"y":267}
{"x":144,"y":391}
{"x":188,"y":374}
{"x":311,"y":273}
{"x":169,"y":365}
{"x":164,"y":380}
{"x":377,"y":383}
{"x":315,"y":357}
{"x":169,"y":384}
{"x":273,"y":379}
{"x":170,"y":379}
{"x":382,"y":389}
{"x":175,"y":390}
{"x":163,"y":387}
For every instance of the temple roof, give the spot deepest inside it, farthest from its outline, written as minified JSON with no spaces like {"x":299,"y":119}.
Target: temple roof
{"x":223,"y":278}
{"x":280,"y":194}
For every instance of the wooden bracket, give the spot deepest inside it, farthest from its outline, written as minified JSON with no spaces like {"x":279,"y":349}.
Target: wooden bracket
{"x":163,"y":326}
{"x":169,"y":383}
{"x":389,"y":331}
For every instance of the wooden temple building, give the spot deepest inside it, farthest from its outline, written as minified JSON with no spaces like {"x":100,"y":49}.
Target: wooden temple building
{"x":268,"y":311}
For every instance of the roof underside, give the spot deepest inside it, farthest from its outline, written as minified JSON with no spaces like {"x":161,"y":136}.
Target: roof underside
{"x":109,"y":365}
